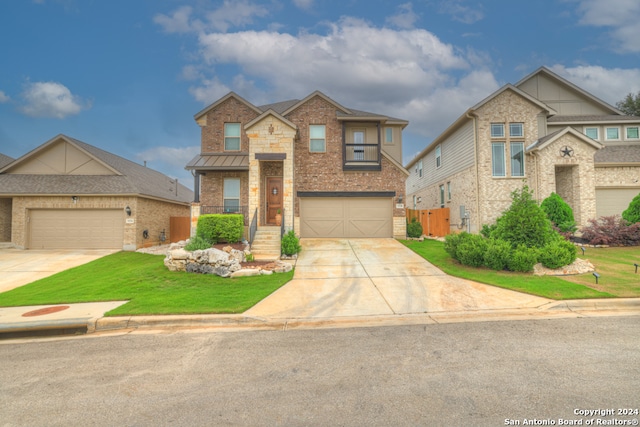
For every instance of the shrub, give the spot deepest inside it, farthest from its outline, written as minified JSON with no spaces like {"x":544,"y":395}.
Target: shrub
{"x":487,"y":230}
{"x":451,"y":242}
{"x":611,"y":230}
{"x":197,"y":243}
{"x":523,"y":259}
{"x":217,"y":227}
{"x":559,"y":213}
{"x":290,"y":244}
{"x":471,"y":250}
{"x":497,"y":254}
{"x":414,"y":228}
{"x":557,"y":254}
{"x":632,"y":213}
{"x":524,"y":223}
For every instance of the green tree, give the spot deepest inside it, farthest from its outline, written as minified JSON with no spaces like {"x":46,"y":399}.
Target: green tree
{"x":630,"y":105}
{"x":524,"y":223}
{"x":559,"y":212}
{"x":632,"y":213}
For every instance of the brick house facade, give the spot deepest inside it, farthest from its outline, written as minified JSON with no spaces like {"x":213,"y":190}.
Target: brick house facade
{"x":315,"y":160}
{"x":544,"y":132}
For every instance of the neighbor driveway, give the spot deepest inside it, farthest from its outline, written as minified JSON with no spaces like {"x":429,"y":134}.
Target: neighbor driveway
{"x":364,"y":277}
{"x":19,"y":267}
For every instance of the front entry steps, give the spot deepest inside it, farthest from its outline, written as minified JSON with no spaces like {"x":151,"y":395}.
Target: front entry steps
{"x":266,"y":244}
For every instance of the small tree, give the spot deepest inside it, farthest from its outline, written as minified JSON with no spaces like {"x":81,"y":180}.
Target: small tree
{"x":632,"y":213}
{"x":630,"y":105}
{"x":414,"y":228}
{"x":559,"y":213}
{"x":524,"y":223}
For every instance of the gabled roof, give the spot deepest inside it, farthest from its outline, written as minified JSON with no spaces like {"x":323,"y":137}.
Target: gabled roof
{"x":312,"y":95}
{"x":544,"y":70}
{"x":127,"y":178}
{"x":548,"y":139}
{"x":593,"y":119}
{"x":267,"y":113}
{"x":5,"y":160}
{"x":204,"y":111}
{"x":523,"y":94}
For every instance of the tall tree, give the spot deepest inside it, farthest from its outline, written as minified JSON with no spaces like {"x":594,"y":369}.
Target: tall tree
{"x":630,"y":105}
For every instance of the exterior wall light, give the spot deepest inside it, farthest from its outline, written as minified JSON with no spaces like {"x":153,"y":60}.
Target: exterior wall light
{"x":128,"y":210}
{"x":274,"y":191}
{"x":400,"y":199}
{"x":596,"y":275}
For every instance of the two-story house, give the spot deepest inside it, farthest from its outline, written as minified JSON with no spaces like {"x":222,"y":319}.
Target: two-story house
{"x":544,"y":132}
{"x":331,"y":171}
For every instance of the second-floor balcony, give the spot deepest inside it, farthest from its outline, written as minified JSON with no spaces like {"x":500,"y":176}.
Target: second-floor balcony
{"x":361,"y":157}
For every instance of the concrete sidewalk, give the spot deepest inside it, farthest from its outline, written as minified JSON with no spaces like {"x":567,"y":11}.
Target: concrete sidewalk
{"x":338,"y":283}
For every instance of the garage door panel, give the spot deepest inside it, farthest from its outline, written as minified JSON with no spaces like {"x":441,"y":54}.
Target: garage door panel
{"x":346,"y":217}
{"x":613,"y":201}
{"x":76,"y":229}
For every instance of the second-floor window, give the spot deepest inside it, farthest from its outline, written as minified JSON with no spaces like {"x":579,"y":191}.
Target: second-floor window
{"x":517,"y":159}
{"x":317,"y":139}
{"x":632,"y":132}
{"x":591,"y":133}
{"x":497,"y":130}
{"x":232,"y":136}
{"x":612,"y":134}
{"x":498,"y":166}
{"x":420,"y":168}
{"x":438,"y":156}
{"x":388,"y":135}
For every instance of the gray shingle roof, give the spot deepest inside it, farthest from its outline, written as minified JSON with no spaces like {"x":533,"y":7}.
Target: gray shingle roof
{"x":134,"y":179}
{"x":5,"y":160}
{"x":592,"y":118}
{"x":618,"y":154}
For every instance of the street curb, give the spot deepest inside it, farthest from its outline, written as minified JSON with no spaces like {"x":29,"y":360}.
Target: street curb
{"x":44,"y":325}
{"x":594,"y":304}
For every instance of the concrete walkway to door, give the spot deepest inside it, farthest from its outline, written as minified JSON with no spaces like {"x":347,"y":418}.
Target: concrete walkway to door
{"x":369,"y":277}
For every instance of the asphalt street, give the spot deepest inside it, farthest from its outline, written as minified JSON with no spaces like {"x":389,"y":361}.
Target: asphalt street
{"x":459,"y":374}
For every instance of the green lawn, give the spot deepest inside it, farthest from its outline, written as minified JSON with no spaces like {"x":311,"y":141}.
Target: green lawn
{"x":149,"y":287}
{"x":554,"y":287}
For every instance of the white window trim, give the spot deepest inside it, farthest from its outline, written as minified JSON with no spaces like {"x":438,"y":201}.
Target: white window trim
{"x":442,"y":196}
{"x":491,"y":130}
{"x":420,"y":174}
{"x":584,"y":131}
{"x":521,"y":128}
{"x":324,"y":139}
{"x":627,"y":136}
{"x":524,"y":171}
{"x":504,"y":160}
{"x":438,"y":153}
{"x":224,"y":195}
{"x":606,"y":135}
{"x":239,"y":136}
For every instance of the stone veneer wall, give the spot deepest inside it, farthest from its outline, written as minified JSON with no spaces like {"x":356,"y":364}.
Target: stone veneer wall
{"x":617,"y":176}
{"x":5,"y":220}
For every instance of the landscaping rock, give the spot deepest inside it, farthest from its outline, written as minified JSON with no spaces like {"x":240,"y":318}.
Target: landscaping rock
{"x":579,"y":266}
{"x":179,"y":254}
{"x":246,"y":272}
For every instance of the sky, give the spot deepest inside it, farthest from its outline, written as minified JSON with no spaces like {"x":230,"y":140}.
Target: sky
{"x":129,"y":75}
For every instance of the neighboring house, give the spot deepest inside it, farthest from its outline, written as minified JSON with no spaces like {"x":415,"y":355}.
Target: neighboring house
{"x":332,"y":171}
{"x":5,"y":207}
{"x":544,"y":132}
{"x":69,"y":194}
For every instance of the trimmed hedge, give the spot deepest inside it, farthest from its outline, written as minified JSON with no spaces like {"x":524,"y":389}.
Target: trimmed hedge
{"x":414,"y":228}
{"x":559,"y":213}
{"x":221,"y":227}
{"x":632,"y":213}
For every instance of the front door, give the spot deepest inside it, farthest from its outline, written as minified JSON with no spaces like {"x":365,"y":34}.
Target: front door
{"x":274,"y":198}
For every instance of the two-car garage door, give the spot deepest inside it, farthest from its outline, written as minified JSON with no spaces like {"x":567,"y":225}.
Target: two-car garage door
{"x":76,"y":228}
{"x":613,"y":201}
{"x":346,"y":217}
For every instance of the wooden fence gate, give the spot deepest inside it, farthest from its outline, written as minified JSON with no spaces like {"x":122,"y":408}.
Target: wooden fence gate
{"x":435,"y":222}
{"x":179,"y":228}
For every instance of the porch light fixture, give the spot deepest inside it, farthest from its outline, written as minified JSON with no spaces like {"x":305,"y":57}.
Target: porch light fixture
{"x":400,"y":199}
{"x":274,"y":191}
{"x":596,"y":275}
{"x":419,"y":199}
{"x":128,"y":210}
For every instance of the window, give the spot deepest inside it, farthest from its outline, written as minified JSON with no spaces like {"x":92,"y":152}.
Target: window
{"x":632,"y":132}
{"x":232,"y":136}
{"x":516,"y":129}
{"x":358,"y":138}
{"x":612,"y":134}
{"x":442,"y":195}
{"x":449,"y":190}
{"x":317,"y":141}
{"x":438,"y":156}
{"x":517,"y":159}
{"x":420,"y":168}
{"x":415,"y":202}
{"x":388,"y":135}
{"x":497,"y":159}
{"x":231,"y":196}
{"x":591,"y":133}
{"x":497,"y":130}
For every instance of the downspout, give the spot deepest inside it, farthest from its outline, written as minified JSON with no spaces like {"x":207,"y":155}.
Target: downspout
{"x":473,"y":117}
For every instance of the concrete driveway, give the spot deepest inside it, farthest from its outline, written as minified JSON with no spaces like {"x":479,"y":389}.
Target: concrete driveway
{"x":364,"y":277}
{"x":19,"y":267}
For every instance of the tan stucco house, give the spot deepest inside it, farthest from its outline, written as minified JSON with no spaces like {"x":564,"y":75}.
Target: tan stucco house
{"x":69,"y":194}
{"x":330,"y":170}
{"x":544,"y":132}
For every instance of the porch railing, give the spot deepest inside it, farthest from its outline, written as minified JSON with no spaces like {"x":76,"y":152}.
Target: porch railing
{"x":254,"y":226}
{"x":244,"y":210}
{"x":361,"y":153}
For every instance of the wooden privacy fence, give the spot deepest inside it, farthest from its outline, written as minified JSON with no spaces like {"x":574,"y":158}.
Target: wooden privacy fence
{"x":179,"y":228}
{"x":435,"y":222}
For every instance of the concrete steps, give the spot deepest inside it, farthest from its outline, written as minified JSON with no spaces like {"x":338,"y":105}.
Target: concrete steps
{"x":266,"y":244}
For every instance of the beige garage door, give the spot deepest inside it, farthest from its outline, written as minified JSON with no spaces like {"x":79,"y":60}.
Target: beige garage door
{"x":76,"y":229}
{"x":612,"y":201}
{"x":346,"y":217}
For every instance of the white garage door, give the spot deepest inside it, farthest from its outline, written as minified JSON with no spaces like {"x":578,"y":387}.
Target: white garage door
{"x":346,"y":217}
{"x":612,"y":201}
{"x":76,"y":229}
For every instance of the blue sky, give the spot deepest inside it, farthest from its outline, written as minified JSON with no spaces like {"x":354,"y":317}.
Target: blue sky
{"x":128,"y":75}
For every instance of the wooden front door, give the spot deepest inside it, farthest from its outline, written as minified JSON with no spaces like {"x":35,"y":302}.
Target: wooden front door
{"x":274,"y":198}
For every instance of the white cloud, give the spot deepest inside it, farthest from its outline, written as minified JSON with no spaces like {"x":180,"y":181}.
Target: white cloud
{"x":621,"y":15}
{"x":460,"y":12}
{"x":609,"y":84}
{"x":177,"y":22}
{"x":303,"y":4}
{"x":405,"y":18}
{"x":4,"y":97}
{"x":159,"y":158}
{"x":209,"y":90}
{"x":51,"y":99}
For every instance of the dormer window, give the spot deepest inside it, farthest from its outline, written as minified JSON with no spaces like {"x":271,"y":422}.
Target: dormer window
{"x":232,"y":137}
